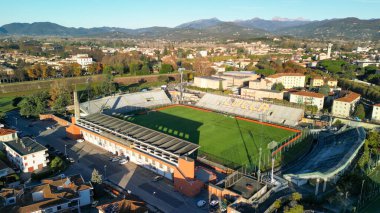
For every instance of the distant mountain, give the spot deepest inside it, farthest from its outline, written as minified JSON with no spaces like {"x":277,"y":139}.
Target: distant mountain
{"x":347,"y":28}
{"x":3,"y":31}
{"x":200,"y":24}
{"x":270,"y":25}
{"x":351,"y":28}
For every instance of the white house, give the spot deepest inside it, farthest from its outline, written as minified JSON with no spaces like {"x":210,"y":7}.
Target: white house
{"x":289,"y":80}
{"x":308,"y":98}
{"x":27,"y":154}
{"x":376,"y":113}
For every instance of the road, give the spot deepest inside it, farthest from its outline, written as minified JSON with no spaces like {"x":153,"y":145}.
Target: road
{"x":89,"y":157}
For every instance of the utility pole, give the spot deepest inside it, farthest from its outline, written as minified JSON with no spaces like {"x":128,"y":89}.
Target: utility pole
{"x":361,"y":192}
{"x":272,"y":178}
{"x":259,"y":172}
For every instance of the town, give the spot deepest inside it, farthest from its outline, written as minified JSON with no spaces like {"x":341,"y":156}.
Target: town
{"x":121,"y":120}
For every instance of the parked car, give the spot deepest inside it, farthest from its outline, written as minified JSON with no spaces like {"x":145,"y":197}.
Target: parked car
{"x":94,"y":203}
{"x":201,"y":203}
{"x":71,"y":160}
{"x":115,"y":159}
{"x":80,"y":140}
{"x":123,"y":161}
{"x":157,"y":178}
{"x":214,"y":203}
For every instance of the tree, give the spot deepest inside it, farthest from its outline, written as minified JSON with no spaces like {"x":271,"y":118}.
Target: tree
{"x":77,"y":69}
{"x":265,"y":72}
{"x":325,"y":89}
{"x":202,"y":67}
{"x":57,"y":164}
{"x":295,"y":209}
{"x":278,"y":86}
{"x":296,"y":196}
{"x":360,"y":111}
{"x":145,"y":70}
{"x":134,"y":68}
{"x":34,"y":105}
{"x":44,"y":71}
{"x":166,"y":68}
{"x":96,"y":177}
{"x":277,"y":204}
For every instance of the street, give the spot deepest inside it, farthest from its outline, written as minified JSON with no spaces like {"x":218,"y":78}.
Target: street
{"x":88,"y":157}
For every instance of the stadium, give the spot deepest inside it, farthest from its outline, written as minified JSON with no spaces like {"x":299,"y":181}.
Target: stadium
{"x":229,"y":131}
{"x":225,"y":131}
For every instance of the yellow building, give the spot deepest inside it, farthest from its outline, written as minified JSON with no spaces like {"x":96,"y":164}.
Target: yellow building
{"x":317,"y":82}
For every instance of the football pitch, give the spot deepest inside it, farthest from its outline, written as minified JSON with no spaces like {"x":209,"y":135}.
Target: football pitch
{"x":225,"y":137}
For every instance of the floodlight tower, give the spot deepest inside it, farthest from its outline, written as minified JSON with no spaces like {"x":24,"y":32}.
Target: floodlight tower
{"x":180,"y":70}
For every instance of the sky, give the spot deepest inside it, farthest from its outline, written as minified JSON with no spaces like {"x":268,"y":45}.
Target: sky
{"x":170,"y":13}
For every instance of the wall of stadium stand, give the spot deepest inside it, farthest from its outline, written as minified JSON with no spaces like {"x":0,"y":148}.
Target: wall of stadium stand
{"x":182,"y":173}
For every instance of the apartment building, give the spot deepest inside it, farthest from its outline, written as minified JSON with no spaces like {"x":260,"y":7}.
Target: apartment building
{"x":376,"y":113}
{"x":345,"y":106}
{"x":210,"y":82}
{"x":308,"y":98}
{"x":320,"y":81}
{"x":27,"y":154}
{"x":289,"y":80}
{"x":59,"y":194}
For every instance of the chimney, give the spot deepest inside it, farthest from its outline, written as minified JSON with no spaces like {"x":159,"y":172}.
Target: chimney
{"x":76,"y":105}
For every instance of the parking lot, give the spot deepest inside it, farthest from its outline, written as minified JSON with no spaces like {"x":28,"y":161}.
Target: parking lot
{"x":88,"y":157}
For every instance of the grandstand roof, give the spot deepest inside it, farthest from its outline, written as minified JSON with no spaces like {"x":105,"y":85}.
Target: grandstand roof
{"x":278,"y":75}
{"x":308,"y":94}
{"x":211,"y":78}
{"x":129,"y":134}
{"x":350,"y":97}
{"x":125,"y":102}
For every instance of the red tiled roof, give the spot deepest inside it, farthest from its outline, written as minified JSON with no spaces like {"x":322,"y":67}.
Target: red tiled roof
{"x":6,"y":131}
{"x":309,"y":94}
{"x":349,"y":97}
{"x":277,"y":75}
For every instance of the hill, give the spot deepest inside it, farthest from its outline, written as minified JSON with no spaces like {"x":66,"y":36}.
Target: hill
{"x":270,"y":25}
{"x":347,"y":28}
{"x":351,"y":28}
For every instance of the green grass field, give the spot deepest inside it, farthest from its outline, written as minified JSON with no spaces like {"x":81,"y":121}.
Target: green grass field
{"x":222,"y":136}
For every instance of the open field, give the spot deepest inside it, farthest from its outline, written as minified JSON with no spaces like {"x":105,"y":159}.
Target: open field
{"x":224,"y":137}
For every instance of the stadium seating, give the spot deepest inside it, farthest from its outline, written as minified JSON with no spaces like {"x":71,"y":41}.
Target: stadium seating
{"x":126,"y":102}
{"x":252,"y":109}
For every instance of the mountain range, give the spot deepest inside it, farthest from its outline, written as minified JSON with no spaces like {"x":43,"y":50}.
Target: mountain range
{"x":345,"y":28}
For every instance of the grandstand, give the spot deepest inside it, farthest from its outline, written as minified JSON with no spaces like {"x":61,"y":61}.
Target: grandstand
{"x":266,"y":112}
{"x":331,"y":157}
{"x":125,"y":103}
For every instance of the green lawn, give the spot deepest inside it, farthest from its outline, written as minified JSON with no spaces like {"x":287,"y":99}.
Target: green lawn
{"x":6,"y":104}
{"x":222,"y":136}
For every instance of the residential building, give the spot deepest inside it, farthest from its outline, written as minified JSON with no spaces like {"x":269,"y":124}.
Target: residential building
{"x":289,"y":80}
{"x":60,"y":194}
{"x":332,"y":82}
{"x":82,"y":59}
{"x":317,"y":81}
{"x":27,"y":154}
{"x":259,"y":94}
{"x":376,"y":113}
{"x":210,"y":82}
{"x":237,"y":78}
{"x":345,"y":106}
{"x":261,"y":84}
{"x":203,"y":53}
{"x":7,"y":135}
{"x":308,"y":98}
{"x":129,"y":205}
